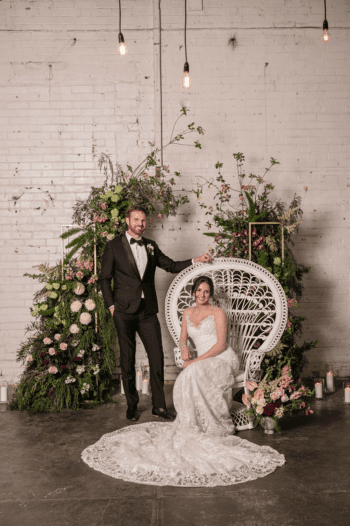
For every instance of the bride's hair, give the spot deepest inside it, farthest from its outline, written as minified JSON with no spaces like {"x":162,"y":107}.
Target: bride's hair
{"x":203,"y":279}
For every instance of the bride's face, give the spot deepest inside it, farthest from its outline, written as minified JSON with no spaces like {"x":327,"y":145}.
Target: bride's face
{"x":202,"y":294}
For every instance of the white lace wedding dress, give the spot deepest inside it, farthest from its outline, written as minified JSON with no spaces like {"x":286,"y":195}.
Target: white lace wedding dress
{"x":198,"y":448}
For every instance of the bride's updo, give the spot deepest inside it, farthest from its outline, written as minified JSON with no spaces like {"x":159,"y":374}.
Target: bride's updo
{"x":203,"y":279}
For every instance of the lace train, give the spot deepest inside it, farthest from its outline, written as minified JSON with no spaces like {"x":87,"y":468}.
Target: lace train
{"x":165,"y":454}
{"x":199,"y":448}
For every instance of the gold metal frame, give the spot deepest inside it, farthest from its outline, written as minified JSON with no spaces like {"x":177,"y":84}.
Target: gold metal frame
{"x":267,"y":223}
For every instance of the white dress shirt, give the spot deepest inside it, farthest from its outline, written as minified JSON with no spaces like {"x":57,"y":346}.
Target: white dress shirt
{"x":140,"y":256}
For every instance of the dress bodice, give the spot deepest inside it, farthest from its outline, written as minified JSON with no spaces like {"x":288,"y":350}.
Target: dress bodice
{"x":203,"y":335}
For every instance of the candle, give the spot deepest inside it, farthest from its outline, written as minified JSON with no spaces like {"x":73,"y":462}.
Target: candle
{"x":318,"y":390}
{"x":347,"y":395}
{"x":3,"y":391}
{"x":330,"y":382}
{"x":139,"y":380}
{"x":145,"y":384}
{"x":121,"y":387}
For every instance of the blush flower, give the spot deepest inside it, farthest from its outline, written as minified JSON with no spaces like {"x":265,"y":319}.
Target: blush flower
{"x":259,"y":393}
{"x":246,"y":399}
{"x":63,"y":346}
{"x":52,"y":351}
{"x":74,"y":329}
{"x":29,"y":358}
{"x":79,"y":289}
{"x":57,"y":336}
{"x":53,"y":369}
{"x":90,"y":304}
{"x":76,"y":306}
{"x":251,"y":385}
{"x":85,"y":318}
{"x":47,"y":341}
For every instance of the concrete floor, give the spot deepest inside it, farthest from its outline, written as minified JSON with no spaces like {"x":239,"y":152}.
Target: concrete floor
{"x":43,"y":481}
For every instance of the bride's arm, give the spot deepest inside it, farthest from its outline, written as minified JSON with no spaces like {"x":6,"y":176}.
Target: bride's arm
{"x":220,"y":346}
{"x":185,"y":353}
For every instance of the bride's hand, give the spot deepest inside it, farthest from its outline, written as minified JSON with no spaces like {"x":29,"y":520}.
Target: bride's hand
{"x":185,"y":353}
{"x":187,"y":363}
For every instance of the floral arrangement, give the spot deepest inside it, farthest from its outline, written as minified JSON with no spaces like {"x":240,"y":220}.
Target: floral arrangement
{"x":102,"y":215}
{"x":276,"y":398}
{"x":69,"y":356}
{"x":230,"y":219}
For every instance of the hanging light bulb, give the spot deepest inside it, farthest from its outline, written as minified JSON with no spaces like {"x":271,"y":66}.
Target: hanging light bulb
{"x":186,"y":79}
{"x":325,"y":37}
{"x":122,"y":49}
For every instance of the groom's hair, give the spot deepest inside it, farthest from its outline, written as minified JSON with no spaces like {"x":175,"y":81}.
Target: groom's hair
{"x":137,"y":208}
{"x":203,"y":279}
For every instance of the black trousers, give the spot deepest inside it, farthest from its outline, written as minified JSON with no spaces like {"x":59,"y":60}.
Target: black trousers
{"x":148,"y":328}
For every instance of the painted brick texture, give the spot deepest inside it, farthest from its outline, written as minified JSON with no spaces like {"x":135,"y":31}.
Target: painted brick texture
{"x":279,"y":92}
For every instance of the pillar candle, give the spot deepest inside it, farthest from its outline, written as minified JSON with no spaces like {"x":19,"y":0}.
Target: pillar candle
{"x":121,"y":387}
{"x":330,"y":382}
{"x":318,"y":390}
{"x":139,"y":380}
{"x":145,"y":384}
{"x":3,"y":391}
{"x":347,"y":395}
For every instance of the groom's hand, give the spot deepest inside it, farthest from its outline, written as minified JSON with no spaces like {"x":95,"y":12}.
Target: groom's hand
{"x":111,"y":310}
{"x":205,"y":258}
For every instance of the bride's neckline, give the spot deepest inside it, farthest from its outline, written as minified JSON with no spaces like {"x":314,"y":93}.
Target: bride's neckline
{"x":200,"y":323}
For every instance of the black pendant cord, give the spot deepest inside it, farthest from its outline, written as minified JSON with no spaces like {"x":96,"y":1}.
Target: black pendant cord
{"x":186,"y":29}
{"x":325,"y":10}
{"x":120,"y":18}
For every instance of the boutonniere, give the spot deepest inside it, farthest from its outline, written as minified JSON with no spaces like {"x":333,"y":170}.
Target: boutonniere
{"x":150,"y":250}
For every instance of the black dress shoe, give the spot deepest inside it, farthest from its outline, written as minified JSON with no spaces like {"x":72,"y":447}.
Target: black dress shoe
{"x":132,"y":415}
{"x":163,"y":413}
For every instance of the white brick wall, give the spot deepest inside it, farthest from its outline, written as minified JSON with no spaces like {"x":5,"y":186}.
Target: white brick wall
{"x":280,"y":92}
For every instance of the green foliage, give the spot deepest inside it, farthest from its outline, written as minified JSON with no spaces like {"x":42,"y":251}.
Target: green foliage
{"x":68,"y":355}
{"x":231,"y":238}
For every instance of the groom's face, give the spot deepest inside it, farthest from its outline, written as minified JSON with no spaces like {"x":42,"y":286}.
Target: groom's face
{"x":136,"y":223}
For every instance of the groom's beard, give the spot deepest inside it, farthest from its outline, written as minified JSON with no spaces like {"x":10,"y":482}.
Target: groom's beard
{"x":137,"y":231}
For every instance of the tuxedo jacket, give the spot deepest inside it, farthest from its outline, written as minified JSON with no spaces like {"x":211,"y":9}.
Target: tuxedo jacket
{"x":118,"y":263}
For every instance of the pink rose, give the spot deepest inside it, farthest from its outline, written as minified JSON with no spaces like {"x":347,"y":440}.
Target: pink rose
{"x":57,"y":336}
{"x":246,"y":399}
{"x":104,"y":233}
{"x":29,"y":358}
{"x":308,"y":411}
{"x":251,"y":385}
{"x":63,"y":346}
{"x":284,"y":398}
{"x":47,"y":341}
{"x":53,"y":369}
{"x":52,"y":351}
{"x":80,"y":274}
{"x":259,"y":393}
{"x":274,"y":396}
{"x":159,"y":216}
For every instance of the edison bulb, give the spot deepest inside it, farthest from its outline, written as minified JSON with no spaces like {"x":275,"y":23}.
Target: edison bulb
{"x":326,"y":36}
{"x":186,"y":80}
{"x":122,"y":49}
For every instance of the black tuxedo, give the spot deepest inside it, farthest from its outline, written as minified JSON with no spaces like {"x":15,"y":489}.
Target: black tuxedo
{"x":132,"y":315}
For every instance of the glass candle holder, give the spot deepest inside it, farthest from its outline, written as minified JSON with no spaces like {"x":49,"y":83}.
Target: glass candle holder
{"x":3,"y":390}
{"x":145,"y":372}
{"x":330,"y":382}
{"x":319,"y":390}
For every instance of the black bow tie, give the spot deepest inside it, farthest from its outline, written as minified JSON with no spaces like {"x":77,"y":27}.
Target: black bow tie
{"x":138,"y":241}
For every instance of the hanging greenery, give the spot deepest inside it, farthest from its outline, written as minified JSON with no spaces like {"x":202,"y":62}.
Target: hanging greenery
{"x":230,"y":220}
{"x":69,"y":354}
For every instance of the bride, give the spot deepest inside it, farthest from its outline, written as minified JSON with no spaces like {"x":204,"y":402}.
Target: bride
{"x":198,"y":448}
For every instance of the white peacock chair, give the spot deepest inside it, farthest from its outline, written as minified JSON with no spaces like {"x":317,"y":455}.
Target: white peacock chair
{"x":256,"y":308}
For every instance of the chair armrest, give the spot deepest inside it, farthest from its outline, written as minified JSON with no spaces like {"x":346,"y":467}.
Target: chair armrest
{"x":178,"y":360}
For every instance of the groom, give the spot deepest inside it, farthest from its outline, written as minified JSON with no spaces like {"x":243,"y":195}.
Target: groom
{"x":131,"y":261}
